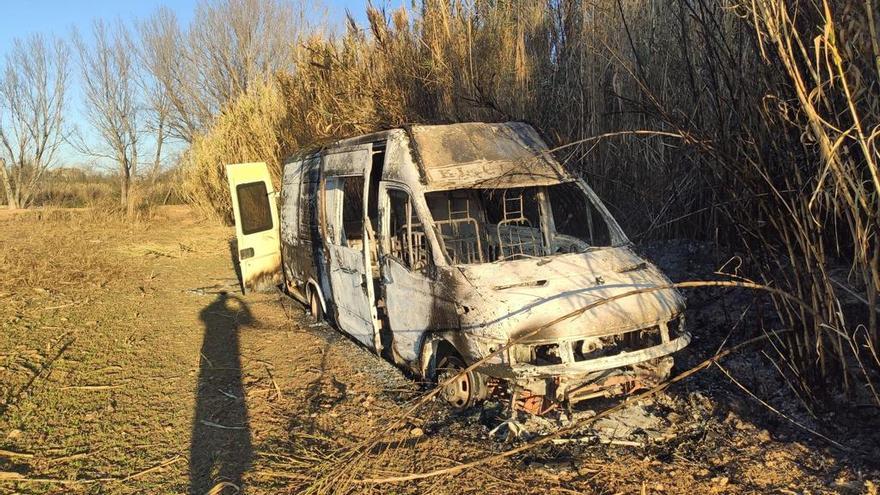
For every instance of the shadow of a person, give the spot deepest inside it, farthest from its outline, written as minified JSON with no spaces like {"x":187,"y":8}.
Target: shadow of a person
{"x":220,"y":447}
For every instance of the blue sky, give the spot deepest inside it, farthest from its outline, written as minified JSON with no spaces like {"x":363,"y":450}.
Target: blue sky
{"x":20,"y":18}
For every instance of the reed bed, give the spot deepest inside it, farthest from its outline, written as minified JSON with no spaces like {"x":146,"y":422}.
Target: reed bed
{"x":749,"y":123}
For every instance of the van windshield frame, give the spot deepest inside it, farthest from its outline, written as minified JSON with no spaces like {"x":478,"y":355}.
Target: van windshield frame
{"x":475,"y":226}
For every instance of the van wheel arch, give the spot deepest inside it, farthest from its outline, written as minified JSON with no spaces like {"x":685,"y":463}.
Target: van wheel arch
{"x":434,"y":349}
{"x":431,"y":354}
{"x":439,"y":348}
{"x":312,"y":288}
{"x":315,"y":303}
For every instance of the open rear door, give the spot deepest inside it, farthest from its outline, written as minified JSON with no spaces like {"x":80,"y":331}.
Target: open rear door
{"x":256,"y":225}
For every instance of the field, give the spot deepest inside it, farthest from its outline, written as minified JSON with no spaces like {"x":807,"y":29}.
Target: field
{"x":130,"y":363}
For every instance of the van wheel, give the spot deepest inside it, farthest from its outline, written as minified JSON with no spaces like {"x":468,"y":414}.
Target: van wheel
{"x":464,"y":391}
{"x":315,"y":307}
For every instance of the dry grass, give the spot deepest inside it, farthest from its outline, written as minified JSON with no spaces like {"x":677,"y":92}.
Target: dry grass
{"x":104,"y":365}
{"x":99,"y":192}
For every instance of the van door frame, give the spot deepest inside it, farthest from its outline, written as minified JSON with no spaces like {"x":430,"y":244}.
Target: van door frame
{"x":370,"y":236}
{"x":422,"y":281}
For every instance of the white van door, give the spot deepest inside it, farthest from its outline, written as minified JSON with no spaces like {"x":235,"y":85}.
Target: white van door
{"x":256,"y":225}
{"x":348,"y":247}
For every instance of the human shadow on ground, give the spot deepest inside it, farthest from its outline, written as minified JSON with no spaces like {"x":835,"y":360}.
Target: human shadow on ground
{"x":220,"y":448}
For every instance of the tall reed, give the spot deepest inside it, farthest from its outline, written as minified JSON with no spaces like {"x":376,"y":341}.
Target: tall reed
{"x":749,"y":123}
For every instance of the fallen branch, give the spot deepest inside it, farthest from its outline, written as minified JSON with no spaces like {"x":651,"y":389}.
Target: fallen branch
{"x":154,"y":468}
{"x":90,"y":387}
{"x":594,"y":439}
{"x":61,"y":306}
{"x":12,"y":398}
{"x":20,"y":455}
{"x":14,"y":477}
{"x":71,"y":457}
{"x":6,"y":476}
{"x":272,"y":378}
{"x":283,"y":475}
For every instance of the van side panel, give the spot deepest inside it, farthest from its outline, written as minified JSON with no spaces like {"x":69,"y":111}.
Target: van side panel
{"x":300,"y":255}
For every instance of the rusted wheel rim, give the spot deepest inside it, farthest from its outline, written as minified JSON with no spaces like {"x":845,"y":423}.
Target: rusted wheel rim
{"x":457,"y":393}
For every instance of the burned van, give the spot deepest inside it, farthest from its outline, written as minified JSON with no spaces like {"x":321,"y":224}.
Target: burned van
{"x":438,"y":245}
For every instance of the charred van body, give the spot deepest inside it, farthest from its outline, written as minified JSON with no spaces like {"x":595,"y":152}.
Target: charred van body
{"x":436,"y":246}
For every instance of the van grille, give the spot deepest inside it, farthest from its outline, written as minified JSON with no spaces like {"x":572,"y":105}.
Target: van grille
{"x":615,"y":344}
{"x":586,"y":349}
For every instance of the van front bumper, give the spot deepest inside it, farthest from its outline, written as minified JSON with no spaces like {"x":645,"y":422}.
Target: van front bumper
{"x":578,"y":380}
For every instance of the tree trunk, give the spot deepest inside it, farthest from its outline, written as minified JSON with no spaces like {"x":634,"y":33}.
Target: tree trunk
{"x":129,"y":208}
{"x":125,"y":186}
{"x":11,"y":201}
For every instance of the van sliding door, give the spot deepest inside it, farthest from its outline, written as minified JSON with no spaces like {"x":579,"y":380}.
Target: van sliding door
{"x":347,"y":245}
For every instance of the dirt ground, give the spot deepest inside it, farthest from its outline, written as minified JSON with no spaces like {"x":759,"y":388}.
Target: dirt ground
{"x":130,"y":363}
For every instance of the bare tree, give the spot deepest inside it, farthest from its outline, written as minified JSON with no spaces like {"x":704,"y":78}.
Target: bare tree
{"x":229,"y":44}
{"x":164,"y":54}
{"x":113,"y":99}
{"x":158,"y":106}
{"x":33,"y":91}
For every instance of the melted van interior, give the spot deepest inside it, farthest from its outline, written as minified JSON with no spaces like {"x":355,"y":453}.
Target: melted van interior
{"x":489,"y":225}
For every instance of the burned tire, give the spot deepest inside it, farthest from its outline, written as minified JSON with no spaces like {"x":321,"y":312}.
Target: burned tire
{"x":315,"y":308}
{"x":466,"y":390}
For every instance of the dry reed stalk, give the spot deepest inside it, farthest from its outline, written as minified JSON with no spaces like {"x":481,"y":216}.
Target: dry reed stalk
{"x":19,"y":455}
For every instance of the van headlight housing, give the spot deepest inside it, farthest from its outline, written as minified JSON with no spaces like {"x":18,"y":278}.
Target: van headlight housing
{"x":675,"y":326}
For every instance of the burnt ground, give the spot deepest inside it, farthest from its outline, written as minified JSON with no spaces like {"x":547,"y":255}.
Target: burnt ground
{"x":129,"y":363}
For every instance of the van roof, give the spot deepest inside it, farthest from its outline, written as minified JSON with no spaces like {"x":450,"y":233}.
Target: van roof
{"x":482,"y":155}
{"x":476,"y":155}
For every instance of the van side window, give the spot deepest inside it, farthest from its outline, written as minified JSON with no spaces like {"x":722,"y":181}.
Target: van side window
{"x":290,"y":180}
{"x":344,"y":203}
{"x":307,"y":198}
{"x":353,"y":212}
{"x":253,"y":206}
{"x":407,"y":234}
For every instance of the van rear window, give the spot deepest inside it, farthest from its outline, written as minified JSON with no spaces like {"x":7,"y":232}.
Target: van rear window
{"x":253,"y":207}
